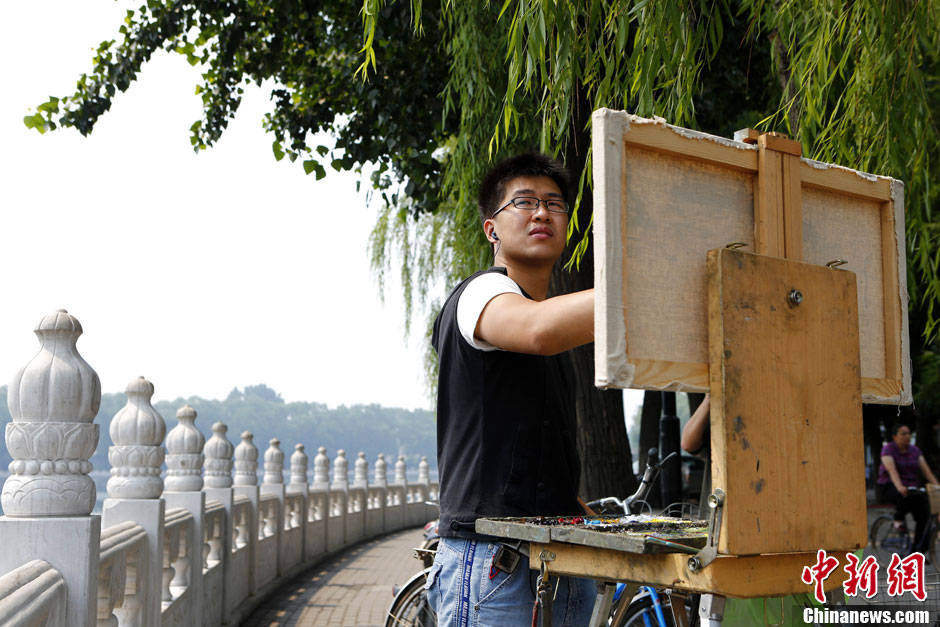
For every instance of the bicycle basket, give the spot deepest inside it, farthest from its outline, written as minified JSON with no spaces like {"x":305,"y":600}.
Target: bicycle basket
{"x":933,"y":493}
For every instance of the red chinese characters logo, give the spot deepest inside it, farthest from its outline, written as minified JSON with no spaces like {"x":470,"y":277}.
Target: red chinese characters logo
{"x":818,"y":573}
{"x":907,"y":575}
{"x":864,"y":576}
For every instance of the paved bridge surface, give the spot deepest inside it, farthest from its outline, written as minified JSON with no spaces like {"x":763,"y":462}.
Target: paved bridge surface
{"x":352,"y":589}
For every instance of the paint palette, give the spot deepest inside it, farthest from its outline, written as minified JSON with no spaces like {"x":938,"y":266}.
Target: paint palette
{"x":632,"y":534}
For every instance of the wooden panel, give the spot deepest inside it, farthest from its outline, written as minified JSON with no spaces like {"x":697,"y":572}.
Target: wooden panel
{"x":768,"y":204}
{"x":741,"y":577}
{"x":830,"y":178}
{"x":610,"y":355}
{"x":780,"y":143}
{"x":690,"y":145}
{"x":892,"y":308}
{"x":652,"y":374}
{"x":880,"y":388}
{"x":792,"y":208}
{"x":786,"y":421}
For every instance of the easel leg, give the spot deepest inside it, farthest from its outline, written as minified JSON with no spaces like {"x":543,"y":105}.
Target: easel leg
{"x":711,"y":610}
{"x":605,"y":597}
{"x":677,"y":603}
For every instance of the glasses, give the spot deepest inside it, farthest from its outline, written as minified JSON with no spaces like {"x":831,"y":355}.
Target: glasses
{"x":531,"y":203}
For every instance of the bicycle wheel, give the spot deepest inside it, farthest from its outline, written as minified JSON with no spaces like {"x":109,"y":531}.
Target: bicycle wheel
{"x":410,"y":607}
{"x":886,"y":539}
{"x":641,"y":613}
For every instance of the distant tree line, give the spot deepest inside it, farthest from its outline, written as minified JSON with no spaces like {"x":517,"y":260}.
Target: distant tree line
{"x":372,"y":428}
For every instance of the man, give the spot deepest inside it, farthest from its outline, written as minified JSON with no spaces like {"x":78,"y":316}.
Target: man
{"x":505,"y":413}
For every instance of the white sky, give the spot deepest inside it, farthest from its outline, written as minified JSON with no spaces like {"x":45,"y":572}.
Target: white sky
{"x":202,"y":272}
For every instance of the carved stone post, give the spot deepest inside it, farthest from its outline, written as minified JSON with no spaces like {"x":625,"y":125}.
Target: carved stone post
{"x":183,"y":488}
{"x":48,"y":496}
{"x":321,"y":470}
{"x":401,"y":471}
{"x":381,"y":471}
{"x":361,"y":477}
{"x":246,"y":484}
{"x":135,"y":487}
{"x":340,"y":471}
{"x":339,"y":502}
{"x":298,"y":468}
{"x":424,"y":471}
{"x":401,"y":479}
{"x":424,"y":481}
{"x":218,"y":454}
{"x":381,"y":481}
{"x":298,"y":485}
{"x":217,"y":468}
{"x":274,"y":463}
{"x":246,"y":461}
{"x":273,"y":483}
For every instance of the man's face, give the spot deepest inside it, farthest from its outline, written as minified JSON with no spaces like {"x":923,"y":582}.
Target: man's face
{"x":529,"y":235}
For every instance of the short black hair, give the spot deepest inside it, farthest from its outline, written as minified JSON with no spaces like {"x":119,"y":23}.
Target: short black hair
{"x":897,"y":427}
{"x":527,"y":164}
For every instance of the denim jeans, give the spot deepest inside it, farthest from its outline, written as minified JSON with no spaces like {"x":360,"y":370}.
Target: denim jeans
{"x":462,"y":592}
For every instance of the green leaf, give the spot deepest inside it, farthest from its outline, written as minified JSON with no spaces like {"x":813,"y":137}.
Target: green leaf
{"x":52,"y":106}
{"x":35,"y":121}
{"x":310,"y":165}
{"x":278,"y":152}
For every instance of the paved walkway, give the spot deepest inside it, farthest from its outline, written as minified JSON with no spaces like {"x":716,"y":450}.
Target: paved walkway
{"x":351,"y":590}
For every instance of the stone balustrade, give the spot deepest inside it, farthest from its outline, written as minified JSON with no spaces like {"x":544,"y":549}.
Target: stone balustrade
{"x":200,"y":548}
{"x":33,"y":594}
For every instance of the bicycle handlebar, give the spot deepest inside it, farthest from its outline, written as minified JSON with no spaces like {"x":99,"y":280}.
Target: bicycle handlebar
{"x":646,"y":482}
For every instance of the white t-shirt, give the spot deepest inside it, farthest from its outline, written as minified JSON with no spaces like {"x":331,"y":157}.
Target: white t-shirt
{"x":474,"y":298}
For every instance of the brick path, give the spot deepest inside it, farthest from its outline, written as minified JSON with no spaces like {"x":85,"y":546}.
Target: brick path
{"x":352,"y":589}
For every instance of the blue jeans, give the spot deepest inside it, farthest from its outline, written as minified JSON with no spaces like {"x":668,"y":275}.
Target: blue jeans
{"x":462,"y":593}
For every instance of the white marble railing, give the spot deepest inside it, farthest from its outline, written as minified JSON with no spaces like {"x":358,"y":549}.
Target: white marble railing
{"x":33,"y":594}
{"x":198,"y":548}
{"x":123,"y":555}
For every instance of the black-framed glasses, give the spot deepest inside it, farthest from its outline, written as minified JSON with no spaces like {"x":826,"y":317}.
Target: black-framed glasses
{"x":531,"y":203}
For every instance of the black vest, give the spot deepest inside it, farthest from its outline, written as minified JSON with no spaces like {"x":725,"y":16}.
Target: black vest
{"x":505,"y":430}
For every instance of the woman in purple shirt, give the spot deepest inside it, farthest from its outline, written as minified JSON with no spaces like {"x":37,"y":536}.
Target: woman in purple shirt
{"x":902,"y":465}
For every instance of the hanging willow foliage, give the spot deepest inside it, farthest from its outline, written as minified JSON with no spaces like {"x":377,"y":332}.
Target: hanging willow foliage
{"x":857,"y":85}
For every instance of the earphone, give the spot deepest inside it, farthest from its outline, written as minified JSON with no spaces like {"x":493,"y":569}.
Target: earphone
{"x":494,"y":236}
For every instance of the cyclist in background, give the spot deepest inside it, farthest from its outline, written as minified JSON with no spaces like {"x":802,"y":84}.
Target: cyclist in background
{"x":903,"y":466}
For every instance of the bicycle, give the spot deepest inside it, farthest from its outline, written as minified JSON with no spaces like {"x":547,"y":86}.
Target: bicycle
{"x":410,"y":606}
{"x":887,"y":538}
{"x":650,"y":607}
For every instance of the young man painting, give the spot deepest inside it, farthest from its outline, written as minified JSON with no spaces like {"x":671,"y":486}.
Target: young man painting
{"x":505,"y":412}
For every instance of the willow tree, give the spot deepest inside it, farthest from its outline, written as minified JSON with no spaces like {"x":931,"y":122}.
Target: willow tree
{"x":855,"y":83}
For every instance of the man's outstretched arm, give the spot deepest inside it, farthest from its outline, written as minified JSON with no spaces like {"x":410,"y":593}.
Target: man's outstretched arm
{"x":515,"y":323}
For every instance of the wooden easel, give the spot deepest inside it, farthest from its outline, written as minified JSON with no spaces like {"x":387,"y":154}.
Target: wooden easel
{"x":782,"y":340}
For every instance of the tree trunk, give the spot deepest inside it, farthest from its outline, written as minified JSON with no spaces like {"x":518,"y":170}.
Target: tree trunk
{"x":606,"y":462}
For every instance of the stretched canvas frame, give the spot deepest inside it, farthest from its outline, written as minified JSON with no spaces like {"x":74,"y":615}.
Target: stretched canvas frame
{"x":664,"y":196}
